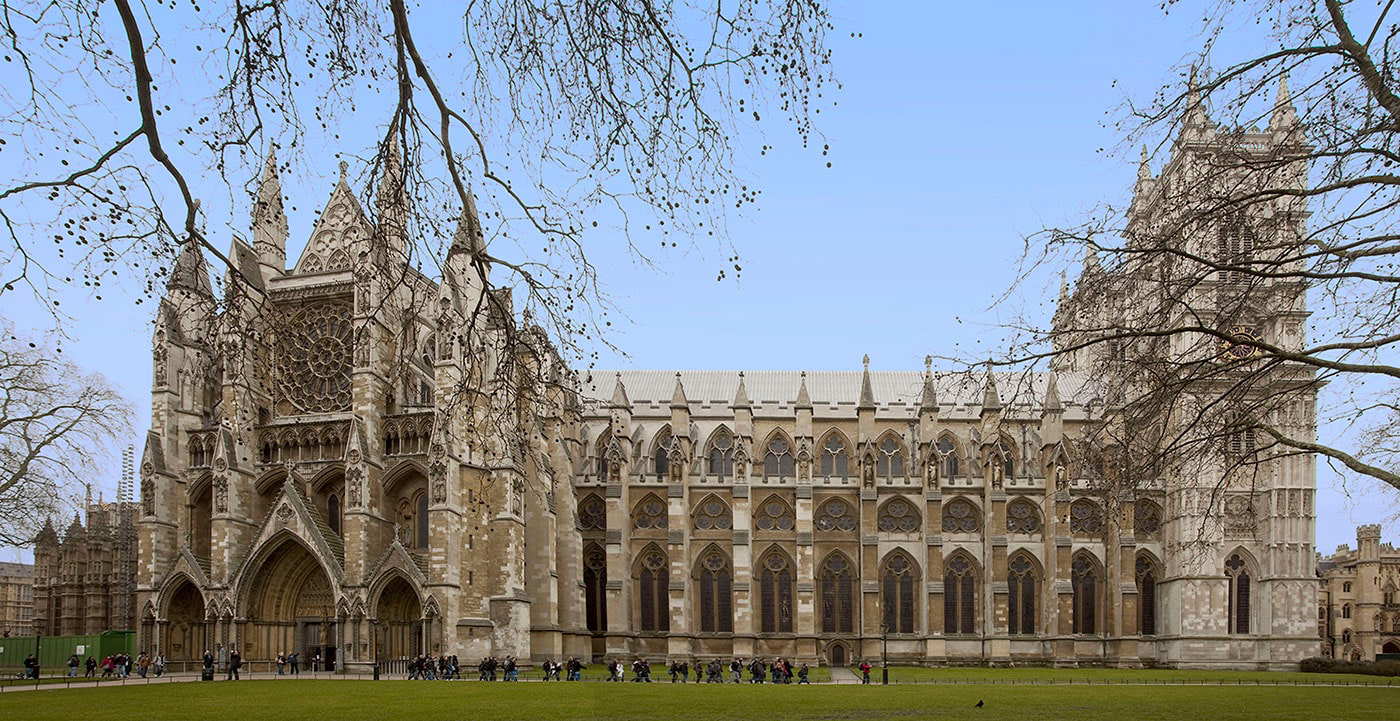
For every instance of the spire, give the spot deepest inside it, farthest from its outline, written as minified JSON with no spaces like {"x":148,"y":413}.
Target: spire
{"x":1064,"y":287}
{"x":804,"y":399}
{"x":392,"y":198}
{"x":190,"y":271}
{"x":741,"y":395}
{"x":678,"y":399}
{"x":867,"y":394}
{"x":269,"y":219}
{"x":1052,"y":394}
{"x":469,"y":235}
{"x":47,"y":535}
{"x":1144,"y":166}
{"x":1194,"y":120}
{"x":1091,"y":259}
{"x":991,"y":400}
{"x":928,"y":401}
{"x":1285,"y":116}
{"x":619,"y":396}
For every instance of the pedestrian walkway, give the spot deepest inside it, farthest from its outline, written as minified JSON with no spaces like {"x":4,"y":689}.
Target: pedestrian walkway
{"x":841,"y":674}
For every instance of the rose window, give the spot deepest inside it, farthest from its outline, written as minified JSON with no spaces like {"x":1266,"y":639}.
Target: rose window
{"x":836,"y":515}
{"x":316,"y":351}
{"x":775,"y":516}
{"x":899,"y":515}
{"x":713,"y":515}
{"x":959,"y":516}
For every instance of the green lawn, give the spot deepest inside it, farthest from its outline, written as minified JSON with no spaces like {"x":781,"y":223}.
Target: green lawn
{"x":350,"y":700}
{"x":918,"y":674}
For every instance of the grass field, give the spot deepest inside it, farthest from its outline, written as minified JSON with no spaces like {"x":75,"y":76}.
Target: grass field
{"x":917,"y":674}
{"x":348,"y":701}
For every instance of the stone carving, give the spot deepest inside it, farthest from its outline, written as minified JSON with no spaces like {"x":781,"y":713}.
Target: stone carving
{"x":284,"y":514}
{"x":220,"y":494}
{"x":353,"y":480}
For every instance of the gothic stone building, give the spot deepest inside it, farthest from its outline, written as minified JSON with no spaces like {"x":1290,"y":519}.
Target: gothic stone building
{"x":83,"y":582}
{"x":1358,"y":603}
{"x":324,"y":491}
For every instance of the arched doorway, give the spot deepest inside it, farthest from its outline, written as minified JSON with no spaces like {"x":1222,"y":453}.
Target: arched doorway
{"x":1391,"y":647}
{"x":399,"y":633}
{"x":290,"y":607}
{"x":836,"y":654}
{"x":185,"y":637}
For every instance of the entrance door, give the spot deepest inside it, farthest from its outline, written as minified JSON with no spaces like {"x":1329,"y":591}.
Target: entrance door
{"x":837,"y":654}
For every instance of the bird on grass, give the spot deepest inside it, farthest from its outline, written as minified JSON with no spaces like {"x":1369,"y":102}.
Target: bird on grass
{"x":979,"y":703}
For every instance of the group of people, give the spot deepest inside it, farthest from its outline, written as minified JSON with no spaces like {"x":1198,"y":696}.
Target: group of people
{"x":433,"y":668}
{"x":779,"y":671}
{"x":573,"y":668}
{"x":290,"y":663}
{"x":117,"y":665}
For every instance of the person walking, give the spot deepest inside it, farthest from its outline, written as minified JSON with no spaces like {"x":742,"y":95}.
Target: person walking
{"x":865,"y":672}
{"x":208,"y":672}
{"x":802,"y":675}
{"x":90,"y":667}
{"x":73,"y":663}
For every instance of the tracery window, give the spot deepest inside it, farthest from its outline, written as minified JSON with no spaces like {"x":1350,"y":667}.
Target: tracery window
{"x":1346,"y":610}
{"x":1235,"y":240}
{"x":1084,"y":580}
{"x":716,"y":600}
{"x":837,"y":585}
{"x":898,"y":515}
{"x":777,"y":460}
{"x":775,"y":594}
{"x":713,"y":515}
{"x":959,"y":595}
{"x":592,"y":514}
{"x":1020,"y":597}
{"x":649,"y":513}
{"x":653,"y":584}
{"x":661,"y":457}
{"x":1146,"y":574}
{"x":949,"y":451}
{"x":1022,"y":517}
{"x":774,"y":515}
{"x":897,"y":596}
{"x":836,"y":458}
{"x":1239,"y":515}
{"x":1147,"y":519}
{"x":1085,"y":518}
{"x":595,"y":581}
{"x":889,"y":462}
{"x":316,"y":356}
{"x":721,"y":455}
{"x":1238,"y":573}
{"x":835,"y":515}
{"x":960,"y":516}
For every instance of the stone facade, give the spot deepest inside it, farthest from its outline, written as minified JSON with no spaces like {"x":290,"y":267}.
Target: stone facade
{"x":16,"y":599}
{"x":84,"y":582}
{"x":1358,"y":601}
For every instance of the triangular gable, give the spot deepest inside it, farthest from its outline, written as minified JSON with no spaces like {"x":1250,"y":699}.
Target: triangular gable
{"x":338,"y":236}
{"x":292,"y":513}
{"x":188,"y":564}
{"x":398,"y":557}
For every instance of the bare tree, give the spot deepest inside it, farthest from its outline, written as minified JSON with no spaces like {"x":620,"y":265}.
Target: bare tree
{"x":57,"y":426}
{"x":1255,"y":268}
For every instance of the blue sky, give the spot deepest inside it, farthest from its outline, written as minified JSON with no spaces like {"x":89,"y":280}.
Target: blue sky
{"x":961,"y":128}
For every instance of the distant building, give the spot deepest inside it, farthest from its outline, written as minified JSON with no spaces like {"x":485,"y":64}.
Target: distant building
{"x":85,"y":581}
{"x":1358,"y":614}
{"x":16,"y":599}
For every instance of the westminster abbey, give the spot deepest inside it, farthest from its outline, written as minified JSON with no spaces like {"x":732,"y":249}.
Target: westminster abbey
{"x":327,"y":490}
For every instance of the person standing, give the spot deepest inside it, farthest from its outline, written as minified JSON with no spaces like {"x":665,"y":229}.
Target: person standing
{"x":295,"y":660}
{"x":90,"y":666}
{"x":235,"y":662}
{"x":281,"y":663}
{"x":802,"y":675}
{"x":73,"y":665}
{"x":865,"y":672}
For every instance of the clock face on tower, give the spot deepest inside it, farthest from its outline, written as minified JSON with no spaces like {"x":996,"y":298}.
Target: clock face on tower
{"x":1240,"y":345}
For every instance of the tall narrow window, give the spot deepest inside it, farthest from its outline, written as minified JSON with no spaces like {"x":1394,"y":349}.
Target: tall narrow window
{"x":897,"y":594}
{"x":889,"y":463}
{"x":602,"y":460}
{"x":421,"y":539}
{"x":716,"y":610}
{"x":595,"y":582}
{"x":1083,"y":577}
{"x":777,"y":460}
{"x":721,"y":455}
{"x":835,"y":460}
{"x":959,"y":596}
{"x":661,"y":456}
{"x":1235,"y":247}
{"x":1020,"y":596}
{"x":1238,"y":573}
{"x":333,"y":513}
{"x":652,"y":584}
{"x":1147,"y":596}
{"x":837,"y":582}
{"x":775,"y":591}
{"x":948,"y":452}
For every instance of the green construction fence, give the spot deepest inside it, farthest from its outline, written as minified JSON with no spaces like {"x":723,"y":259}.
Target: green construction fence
{"x":55,"y":650}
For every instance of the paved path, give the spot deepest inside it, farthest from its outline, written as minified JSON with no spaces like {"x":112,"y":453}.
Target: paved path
{"x":841,"y":674}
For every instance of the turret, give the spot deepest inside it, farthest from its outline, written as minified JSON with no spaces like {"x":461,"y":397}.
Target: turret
{"x":803,"y":408}
{"x":270,"y":222}
{"x":1052,"y":412}
{"x":1284,"y":119}
{"x":743,"y":412}
{"x":1368,"y":542}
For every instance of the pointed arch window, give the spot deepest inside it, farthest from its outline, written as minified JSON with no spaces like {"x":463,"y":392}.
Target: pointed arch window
{"x":649,"y":513}
{"x":836,"y":457}
{"x":959,"y":595}
{"x":333,"y":517}
{"x":592,"y":514}
{"x":948,"y":451}
{"x":713,"y":514}
{"x":1085,"y":518}
{"x":716,"y":599}
{"x":421,"y":522}
{"x":1346,"y":610}
{"x":837,"y":581}
{"x":1237,"y":571}
{"x":1147,"y":519}
{"x":653,"y":584}
{"x":960,"y":516}
{"x":897,"y":597}
{"x":774,"y":515}
{"x":721,"y":453}
{"x":1022,"y":516}
{"x":1235,"y":240}
{"x":777,"y":459}
{"x":835,"y":515}
{"x":889,"y":462}
{"x":661,"y":456}
{"x":775,"y":593}
{"x":1085,"y":583}
{"x":898,"y":516}
{"x":1020,"y":596}
{"x":602,"y":459}
{"x":595,"y":582}
{"x":1145,"y":572}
